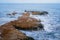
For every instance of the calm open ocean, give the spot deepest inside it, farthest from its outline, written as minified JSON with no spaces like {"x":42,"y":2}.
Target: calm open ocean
{"x":51,"y":21}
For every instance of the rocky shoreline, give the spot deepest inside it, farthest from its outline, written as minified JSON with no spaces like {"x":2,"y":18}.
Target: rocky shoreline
{"x":10,"y":30}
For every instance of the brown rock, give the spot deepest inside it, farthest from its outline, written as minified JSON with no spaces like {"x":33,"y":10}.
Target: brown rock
{"x":6,"y":26}
{"x":38,"y":12}
{"x":26,"y":14}
{"x":10,"y":33}
{"x":26,"y":22}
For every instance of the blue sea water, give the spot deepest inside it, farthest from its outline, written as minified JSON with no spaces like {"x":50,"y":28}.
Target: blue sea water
{"x":51,"y":21}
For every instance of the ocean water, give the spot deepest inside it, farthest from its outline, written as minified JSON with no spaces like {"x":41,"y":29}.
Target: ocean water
{"x":51,"y":21}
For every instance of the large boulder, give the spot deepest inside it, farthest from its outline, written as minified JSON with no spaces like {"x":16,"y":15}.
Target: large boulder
{"x":10,"y":33}
{"x":27,"y":23}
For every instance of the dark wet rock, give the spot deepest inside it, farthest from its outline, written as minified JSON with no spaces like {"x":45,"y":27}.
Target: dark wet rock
{"x":37,"y":12}
{"x":30,"y":38}
{"x":14,"y":13}
{"x":41,"y":26}
{"x":11,"y":15}
{"x":43,"y":13}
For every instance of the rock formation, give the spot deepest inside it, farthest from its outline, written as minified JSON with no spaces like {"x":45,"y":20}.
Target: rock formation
{"x":8,"y":32}
{"x":27,"y":23}
{"x":37,"y":12}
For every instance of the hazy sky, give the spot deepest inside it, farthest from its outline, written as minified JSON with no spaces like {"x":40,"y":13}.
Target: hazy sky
{"x":29,"y":1}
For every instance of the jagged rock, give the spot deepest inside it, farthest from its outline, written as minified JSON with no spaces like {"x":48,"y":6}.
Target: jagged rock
{"x":10,"y":33}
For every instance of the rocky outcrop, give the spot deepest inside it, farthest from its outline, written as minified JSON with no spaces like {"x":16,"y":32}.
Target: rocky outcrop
{"x":37,"y":12}
{"x":40,"y":13}
{"x":8,"y":32}
{"x":26,"y":23}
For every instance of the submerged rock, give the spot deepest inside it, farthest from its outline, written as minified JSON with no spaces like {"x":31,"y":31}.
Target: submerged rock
{"x":10,"y":33}
{"x":12,"y":14}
